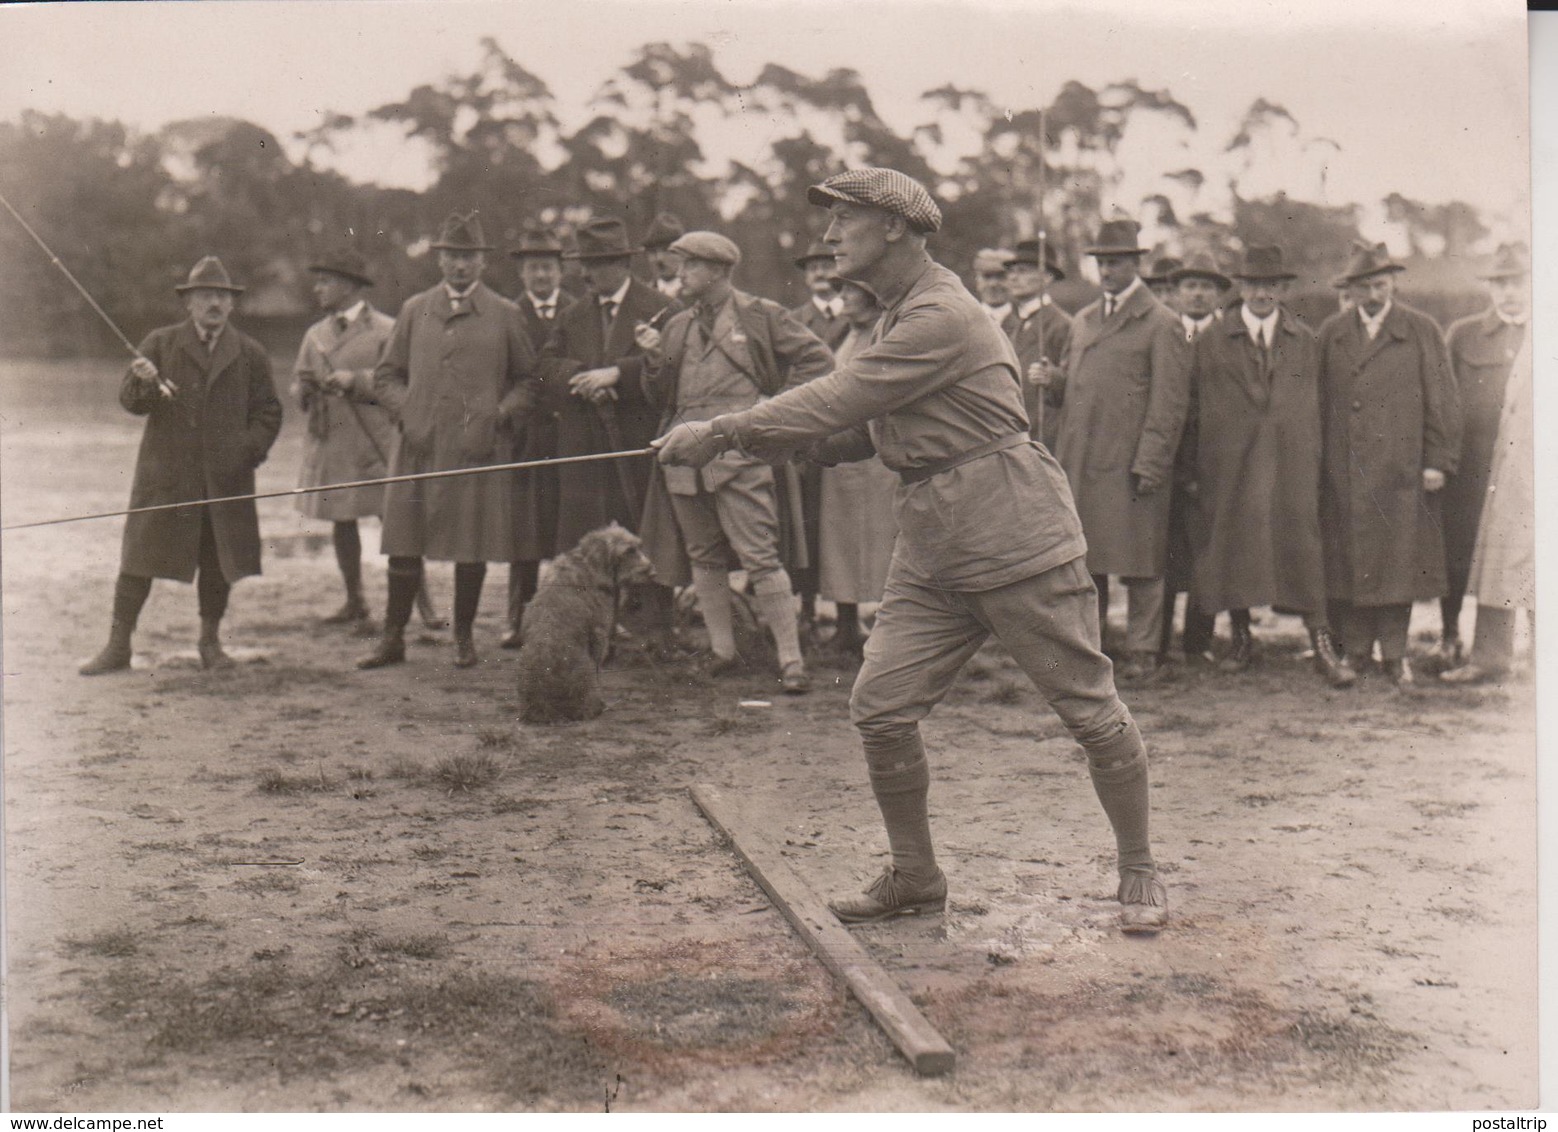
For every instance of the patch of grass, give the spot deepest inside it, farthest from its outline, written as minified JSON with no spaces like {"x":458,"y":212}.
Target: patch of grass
{"x":407,"y":770}
{"x":505,"y":804}
{"x":358,"y":773}
{"x":268,"y":882}
{"x":467,"y":771}
{"x":494,"y":739}
{"x":415,"y":945}
{"x":111,"y":943}
{"x":273,"y":781}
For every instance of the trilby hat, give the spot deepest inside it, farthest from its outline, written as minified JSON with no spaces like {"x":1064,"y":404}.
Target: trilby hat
{"x":1201,"y":266}
{"x":462,"y":233}
{"x":1262,"y":264}
{"x":1028,"y":252}
{"x":664,"y":230}
{"x":606,"y":238}
{"x":346,"y":262}
{"x":1510,"y":261}
{"x":1118,"y":237}
{"x":1366,"y":260}
{"x":539,"y":242}
{"x":1162,"y":268}
{"x":209,"y":275}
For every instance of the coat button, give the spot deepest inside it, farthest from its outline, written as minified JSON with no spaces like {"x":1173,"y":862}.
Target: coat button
{"x":1357,"y":406}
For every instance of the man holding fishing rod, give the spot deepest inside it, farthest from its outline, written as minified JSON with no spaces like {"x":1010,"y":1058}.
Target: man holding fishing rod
{"x":212,"y":414}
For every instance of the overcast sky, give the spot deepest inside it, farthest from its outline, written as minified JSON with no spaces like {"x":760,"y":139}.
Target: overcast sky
{"x":1427,"y":97}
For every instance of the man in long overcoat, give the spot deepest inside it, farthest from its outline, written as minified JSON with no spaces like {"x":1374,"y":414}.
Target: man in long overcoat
{"x":349,"y":434}
{"x":1126,"y":396}
{"x":1391,"y":437}
{"x":1198,"y":289}
{"x":211,"y":412}
{"x":459,"y":378}
{"x":541,"y":302}
{"x":727,"y":351}
{"x":1041,"y":334}
{"x":1254,"y":449}
{"x":1482,"y":348}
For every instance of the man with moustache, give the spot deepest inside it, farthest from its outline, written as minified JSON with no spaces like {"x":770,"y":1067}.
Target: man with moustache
{"x":1254,"y":449}
{"x":1126,"y":397}
{"x":988,"y":542}
{"x":1482,"y":348}
{"x":539,"y":258}
{"x":458,"y":376}
{"x":990,"y":284}
{"x":211,"y":413}
{"x":349,"y":434}
{"x":1391,"y":439}
{"x":1198,"y":295}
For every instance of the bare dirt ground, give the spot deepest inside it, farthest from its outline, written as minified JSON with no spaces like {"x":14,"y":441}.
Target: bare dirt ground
{"x":292,"y":885}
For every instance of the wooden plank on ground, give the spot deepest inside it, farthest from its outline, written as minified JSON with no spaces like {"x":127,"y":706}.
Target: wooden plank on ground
{"x":916,"y":1038}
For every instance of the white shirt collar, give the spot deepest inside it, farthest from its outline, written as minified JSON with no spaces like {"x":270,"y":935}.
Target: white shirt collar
{"x":456,"y":296}
{"x":353,"y":312}
{"x":618,"y":295}
{"x":829,"y":307}
{"x":1130,"y":289}
{"x":1262,"y":330}
{"x":1030,"y":307}
{"x":539,"y":301}
{"x":1371,"y":325}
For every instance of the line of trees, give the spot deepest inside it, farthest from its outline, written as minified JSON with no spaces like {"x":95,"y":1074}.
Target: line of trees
{"x":129,"y":212}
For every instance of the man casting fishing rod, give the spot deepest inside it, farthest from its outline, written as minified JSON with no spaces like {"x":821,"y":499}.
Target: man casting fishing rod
{"x":212,"y":415}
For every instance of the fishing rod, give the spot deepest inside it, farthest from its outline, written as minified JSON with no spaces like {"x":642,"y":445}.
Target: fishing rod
{"x":409,"y":478}
{"x":163,"y":385}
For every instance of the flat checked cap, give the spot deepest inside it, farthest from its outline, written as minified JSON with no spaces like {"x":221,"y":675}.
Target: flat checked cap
{"x":709,"y":246}
{"x":886,"y":189}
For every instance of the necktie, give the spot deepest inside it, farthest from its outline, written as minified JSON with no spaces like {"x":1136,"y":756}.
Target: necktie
{"x":608,"y":315}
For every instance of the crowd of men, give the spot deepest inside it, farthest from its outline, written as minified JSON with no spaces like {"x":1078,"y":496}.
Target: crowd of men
{"x":979,"y":467}
{"x":1213,"y":443}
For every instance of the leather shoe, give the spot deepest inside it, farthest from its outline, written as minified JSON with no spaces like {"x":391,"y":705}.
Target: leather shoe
{"x":512,"y":640}
{"x":1401,"y":675}
{"x":1330,"y":662}
{"x":114,"y":658}
{"x":212,"y":656}
{"x":794,"y":679}
{"x":391,"y":650}
{"x":1240,"y":653}
{"x":1473,"y":673}
{"x":1139,"y":668}
{"x":1143,"y":904}
{"x":718,"y":665}
{"x":889,"y":896}
{"x":465,"y":650}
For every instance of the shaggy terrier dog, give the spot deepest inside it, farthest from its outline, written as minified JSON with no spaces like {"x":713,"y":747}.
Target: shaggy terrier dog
{"x":567,"y":626}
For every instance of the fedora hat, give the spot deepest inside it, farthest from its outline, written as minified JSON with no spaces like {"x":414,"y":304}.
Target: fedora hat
{"x":538,"y":241}
{"x":606,"y":238}
{"x":462,"y":233}
{"x":664,"y":230}
{"x":348,"y":263}
{"x":1028,"y":252}
{"x":1262,"y":264}
{"x":817,"y":250}
{"x":1366,"y":260}
{"x":1201,"y":266}
{"x":1162,"y":268}
{"x":1117,"y":237}
{"x":1510,"y":261}
{"x":209,"y":275}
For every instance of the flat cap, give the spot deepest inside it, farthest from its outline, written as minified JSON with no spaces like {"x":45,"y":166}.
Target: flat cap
{"x":709,"y":246}
{"x":886,"y":189}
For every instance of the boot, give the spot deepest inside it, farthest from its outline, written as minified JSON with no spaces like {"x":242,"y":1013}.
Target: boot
{"x":1330,"y":661}
{"x":464,"y":648}
{"x":1401,"y":674}
{"x":115,"y":656}
{"x":429,"y":614}
{"x":210,"y":645}
{"x":1242,"y":649}
{"x":391,"y":650}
